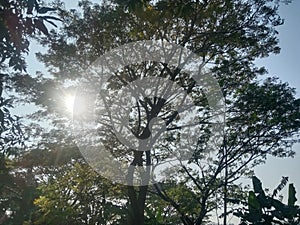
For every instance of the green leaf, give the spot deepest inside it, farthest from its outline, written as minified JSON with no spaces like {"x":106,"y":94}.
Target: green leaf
{"x":292,"y":195}
{"x":253,"y":202}
{"x":277,"y":204}
{"x":159,"y":215}
{"x":264,"y":200}
{"x":255,"y":210}
{"x":257,"y":186}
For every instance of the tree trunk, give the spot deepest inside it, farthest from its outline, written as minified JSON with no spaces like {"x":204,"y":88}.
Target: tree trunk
{"x":137,"y":195}
{"x":137,"y":200}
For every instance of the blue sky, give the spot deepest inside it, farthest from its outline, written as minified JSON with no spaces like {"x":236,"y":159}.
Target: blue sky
{"x":286,"y":66}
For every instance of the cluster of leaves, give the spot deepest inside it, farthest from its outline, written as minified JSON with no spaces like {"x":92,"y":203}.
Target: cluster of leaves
{"x":18,"y":21}
{"x":11,"y":134}
{"x":17,"y":192}
{"x":266,"y":209}
{"x":75,"y":194}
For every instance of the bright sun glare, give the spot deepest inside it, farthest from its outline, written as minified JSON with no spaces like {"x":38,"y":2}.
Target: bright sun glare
{"x":69,"y":103}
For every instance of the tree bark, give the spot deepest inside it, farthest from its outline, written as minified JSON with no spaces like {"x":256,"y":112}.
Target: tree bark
{"x":137,"y":195}
{"x":137,"y":199}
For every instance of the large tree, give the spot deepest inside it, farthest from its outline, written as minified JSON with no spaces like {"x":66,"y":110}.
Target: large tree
{"x":228,"y":36}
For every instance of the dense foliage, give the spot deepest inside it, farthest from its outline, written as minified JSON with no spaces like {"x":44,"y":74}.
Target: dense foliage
{"x":56,"y":185}
{"x":266,"y":209}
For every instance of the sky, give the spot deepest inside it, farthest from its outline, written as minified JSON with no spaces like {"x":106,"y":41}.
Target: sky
{"x":286,"y":66}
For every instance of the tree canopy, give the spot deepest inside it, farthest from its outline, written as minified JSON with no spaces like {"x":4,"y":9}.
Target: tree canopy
{"x":262,"y":115}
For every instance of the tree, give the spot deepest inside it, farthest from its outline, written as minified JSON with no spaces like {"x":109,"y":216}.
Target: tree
{"x":75,"y":194}
{"x":266,"y":209}
{"x":255,"y":128}
{"x":16,"y":27}
{"x":228,"y":36}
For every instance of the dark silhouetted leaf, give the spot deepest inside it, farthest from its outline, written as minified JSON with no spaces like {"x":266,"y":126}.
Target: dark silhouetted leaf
{"x":29,"y":25}
{"x":282,"y":184}
{"x":53,"y":24}
{"x":30,"y":5}
{"x":292,"y":195}
{"x":1,"y":119}
{"x":44,"y":10}
{"x":41,"y":26}
{"x":51,"y":18}
{"x":257,"y":186}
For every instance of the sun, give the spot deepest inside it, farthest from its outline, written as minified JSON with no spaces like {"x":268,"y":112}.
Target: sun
{"x":69,"y":103}
{"x":74,"y":104}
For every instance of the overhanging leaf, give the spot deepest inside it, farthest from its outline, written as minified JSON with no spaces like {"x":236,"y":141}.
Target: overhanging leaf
{"x":292,"y":195}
